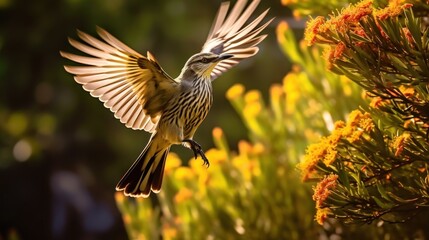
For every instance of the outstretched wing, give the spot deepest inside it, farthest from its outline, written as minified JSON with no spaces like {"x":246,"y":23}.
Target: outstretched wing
{"x":132,"y":86}
{"x":230,"y":35}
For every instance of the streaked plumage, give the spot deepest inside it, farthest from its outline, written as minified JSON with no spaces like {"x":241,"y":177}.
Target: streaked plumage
{"x":143,"y":96}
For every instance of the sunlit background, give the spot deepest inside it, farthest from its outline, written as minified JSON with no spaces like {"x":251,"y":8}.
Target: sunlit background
{"x":61,"y":151}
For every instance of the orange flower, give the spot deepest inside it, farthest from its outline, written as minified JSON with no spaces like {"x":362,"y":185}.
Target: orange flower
{"x":354,"y":13}
{"x":376,"y":102}
{"x":313,"y":29}
{"x":339,"y":50}
{"x":182,"y":195}
{"x":339,"y":124}
{"x":287,"y":2}
{"x":399,"y":143}
{"x":328,"y":55}
{"x":330,"y":157}
{"x":323,"y":189}
{"x":407,"y":91}
{"x":322,"y":215}
{"x":217,"y":132}
{"x":393,"y":9}
{"x":408,"y":36}
{"x":323,"y":151}
{"x":333,"y":54}
{"x":314,"y":153}
{"x":357,"y":124}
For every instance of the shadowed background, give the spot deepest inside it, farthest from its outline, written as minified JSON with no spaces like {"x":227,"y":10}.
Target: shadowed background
{"x":61,"y":151}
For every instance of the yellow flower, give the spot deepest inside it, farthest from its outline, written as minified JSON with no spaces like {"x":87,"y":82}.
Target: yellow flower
{"x":354,"y":136}
{"x":173,"y":161}
{"x":217,"y":133}
{"x":376,"y":102}
{"x":322,"y":214}
{"x":358,"y":123}
{"x":354,"y":13}
{"x":366,"y":123}
{"x":314,"y":154}
{"x":399,"y":143}
{"x":333,"y":54}
{"x":254,"y":168}
{"x":292,"y":89}
{"x":182,"y":195}
{"x":184,"y":173}
{"x":169,"y":231}
{"x":216,"y":156}
{"x":276,"y":91}
{"x":287,"y":2}
{"x":127,"y":218}
{"x":313,"y":29}
{"x":280,"y":30}
{"x":346,"y":83}
{"x":251,"y":110}
{"x":407,"y":91}
{"x":339,"y":125}
{"x":241,"y":162}
{"x":277,"y":98}
{"x":244,"y":147}
{"x":235,"y":92}
{"x":258,"y":149}
{"x":354,"y":118}
{"x":393,"y":9}
{"x":321,"y":30}
{"x":119,"y":197}
{"x":330,"y":157}
{"x":252,"y":96}
{"x":297,"y":14}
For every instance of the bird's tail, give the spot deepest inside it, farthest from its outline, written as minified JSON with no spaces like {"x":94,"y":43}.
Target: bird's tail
{"x":147,"y":171}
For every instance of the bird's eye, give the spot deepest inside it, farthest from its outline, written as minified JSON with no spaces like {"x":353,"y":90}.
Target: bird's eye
{"x":205,"y":60}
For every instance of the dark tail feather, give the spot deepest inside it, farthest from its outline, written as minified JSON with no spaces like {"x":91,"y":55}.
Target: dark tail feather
{"x":146,"y":173}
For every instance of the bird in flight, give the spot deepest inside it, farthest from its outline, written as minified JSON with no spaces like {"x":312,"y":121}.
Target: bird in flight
{"x":143,"y":96}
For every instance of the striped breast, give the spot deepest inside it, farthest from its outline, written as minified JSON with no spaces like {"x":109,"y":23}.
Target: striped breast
{"x":190,"y":107}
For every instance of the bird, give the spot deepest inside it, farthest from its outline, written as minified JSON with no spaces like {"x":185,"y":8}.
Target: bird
{"x":144,"y":97}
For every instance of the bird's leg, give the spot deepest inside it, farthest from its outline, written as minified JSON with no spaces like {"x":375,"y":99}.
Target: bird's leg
{"x":196,"y":148}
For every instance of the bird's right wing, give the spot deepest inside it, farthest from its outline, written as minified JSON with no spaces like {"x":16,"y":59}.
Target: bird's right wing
{"x":132,"y":86}
{"x":231,"y":35}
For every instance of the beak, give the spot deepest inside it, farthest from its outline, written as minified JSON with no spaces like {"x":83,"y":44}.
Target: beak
{"x":223,"y":57}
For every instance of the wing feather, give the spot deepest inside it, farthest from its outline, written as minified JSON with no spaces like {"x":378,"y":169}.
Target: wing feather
{"x":230,"y":34}
{"x":112,"y":73}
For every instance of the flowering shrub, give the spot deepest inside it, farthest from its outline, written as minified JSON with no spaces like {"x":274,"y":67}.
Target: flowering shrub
{"x":374,"y":166}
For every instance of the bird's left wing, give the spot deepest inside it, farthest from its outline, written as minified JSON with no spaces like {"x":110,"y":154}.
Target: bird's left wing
{"x":131,"y":85}
{"x":230,"y":35}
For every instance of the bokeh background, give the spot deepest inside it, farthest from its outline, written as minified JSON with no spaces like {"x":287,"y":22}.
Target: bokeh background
{"x":61,"y":151}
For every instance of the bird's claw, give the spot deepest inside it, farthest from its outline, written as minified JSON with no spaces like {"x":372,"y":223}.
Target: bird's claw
{"x":196,"y":148}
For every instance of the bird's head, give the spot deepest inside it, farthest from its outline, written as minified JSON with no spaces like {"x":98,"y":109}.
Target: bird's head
{"x":201,"y":64}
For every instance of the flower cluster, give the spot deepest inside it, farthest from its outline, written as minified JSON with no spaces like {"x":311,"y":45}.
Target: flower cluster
{"x":321,"y":30}
{"x":360,"y":27}
{"x":321,"y":194}
{"x":325,"y":152}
